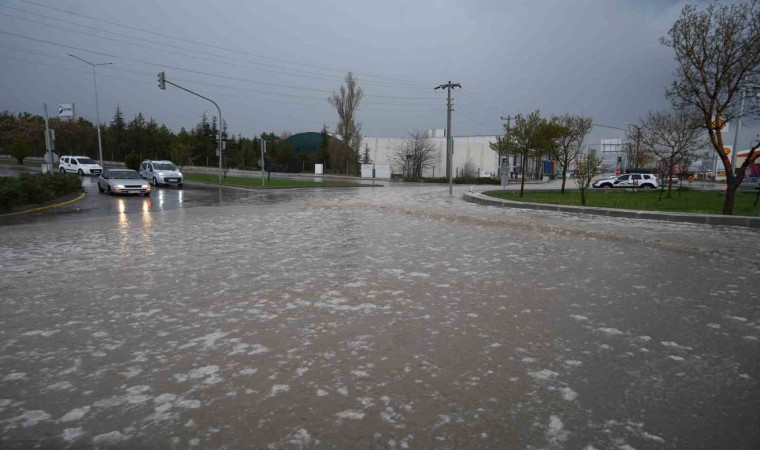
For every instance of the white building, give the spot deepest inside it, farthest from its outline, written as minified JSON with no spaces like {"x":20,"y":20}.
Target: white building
{"x":475,"y":149}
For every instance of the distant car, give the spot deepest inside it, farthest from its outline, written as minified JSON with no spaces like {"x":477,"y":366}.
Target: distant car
{"x":750,"y":184}
{"x":161,"y":172}
{"x":629,"y":180}
{"x":123,"y":181}
{"x":79,"y":164}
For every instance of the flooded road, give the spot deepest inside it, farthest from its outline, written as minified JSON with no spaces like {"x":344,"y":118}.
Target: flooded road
{"x":396,"y":317}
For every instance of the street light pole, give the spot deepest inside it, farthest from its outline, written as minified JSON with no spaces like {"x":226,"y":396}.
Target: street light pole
{"x":97,"y":106}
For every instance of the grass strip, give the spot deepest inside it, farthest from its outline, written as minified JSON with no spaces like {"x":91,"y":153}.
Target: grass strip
{"x":271,"y":184}
{"x":683,"y":200}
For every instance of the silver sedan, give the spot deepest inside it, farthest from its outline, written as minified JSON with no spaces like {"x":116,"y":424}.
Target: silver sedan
{"x":122,"y":181}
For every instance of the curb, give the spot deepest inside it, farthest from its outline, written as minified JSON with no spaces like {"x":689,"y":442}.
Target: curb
{"x":708,"y":219}
{"x":40,"y":208}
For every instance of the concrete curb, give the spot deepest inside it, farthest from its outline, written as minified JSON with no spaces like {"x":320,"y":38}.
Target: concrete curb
{"x":709,"y":219}
{"x":43,"y":207}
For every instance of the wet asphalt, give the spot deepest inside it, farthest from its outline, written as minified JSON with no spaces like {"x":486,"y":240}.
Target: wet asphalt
{"x":396,"y":317}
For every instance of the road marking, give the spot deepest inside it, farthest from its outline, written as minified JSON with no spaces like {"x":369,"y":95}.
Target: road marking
{"x":80,"y":197}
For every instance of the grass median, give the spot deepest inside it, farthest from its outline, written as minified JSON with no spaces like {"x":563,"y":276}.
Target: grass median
{"x":271,"y":184}
{"x":685,"y":200}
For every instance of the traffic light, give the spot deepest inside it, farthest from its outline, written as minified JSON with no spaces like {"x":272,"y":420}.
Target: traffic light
{"x":162,"y":80}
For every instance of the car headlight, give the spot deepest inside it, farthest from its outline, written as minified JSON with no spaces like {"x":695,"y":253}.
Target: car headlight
{"x":145,"y":186}
{"x":119,"y":186}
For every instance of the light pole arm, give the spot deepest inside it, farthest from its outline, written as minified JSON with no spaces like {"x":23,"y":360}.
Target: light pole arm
{"x":221,"y":133}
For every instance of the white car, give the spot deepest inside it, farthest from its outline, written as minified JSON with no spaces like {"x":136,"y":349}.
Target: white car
{"x":161,"y":172}
{"x":629,"y":180}
{"x":79,"y":164}
{"x":122,"y":181}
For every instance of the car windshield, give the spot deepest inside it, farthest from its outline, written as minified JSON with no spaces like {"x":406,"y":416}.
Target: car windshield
{"x":164,"y":166}
{"x":86,"y":161}
{"x":125,"y":175}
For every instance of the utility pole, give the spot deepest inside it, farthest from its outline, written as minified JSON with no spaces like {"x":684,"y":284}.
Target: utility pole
{"x":162,"y":81}
{"x":263,"y":161}
{"x":449,"y":140}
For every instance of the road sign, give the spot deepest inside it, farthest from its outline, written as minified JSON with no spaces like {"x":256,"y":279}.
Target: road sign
{"x":66,"y":110}
{"x":55,"y":158}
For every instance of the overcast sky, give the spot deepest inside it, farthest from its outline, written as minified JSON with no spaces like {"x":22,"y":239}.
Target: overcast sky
{"x":272,"y":64}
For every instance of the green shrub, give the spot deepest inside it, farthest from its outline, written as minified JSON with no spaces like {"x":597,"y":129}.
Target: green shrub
{"x":132,"y":161}
{"x":462,"y":180}
{"x":20,"y":150}
{"x":27,"y":189}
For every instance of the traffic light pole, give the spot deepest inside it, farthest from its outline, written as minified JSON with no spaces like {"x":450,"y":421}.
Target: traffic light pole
{"x":162,"y":81}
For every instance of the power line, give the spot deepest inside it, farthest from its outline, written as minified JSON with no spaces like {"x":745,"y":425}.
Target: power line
{"x":474,"y":111}
{"x":473,"y":121}
{"x":143,"y":30}
{"x":484,"y":101}
{"x":184,"y":69}
{"x":235,"y":96}
{"x":281,"y":71}
{"x":204,"y":83}
{"x":608,"y":126}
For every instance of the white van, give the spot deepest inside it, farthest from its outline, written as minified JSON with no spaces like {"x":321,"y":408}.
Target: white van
{"x":161,"y":172}
{"x":79,"y":164}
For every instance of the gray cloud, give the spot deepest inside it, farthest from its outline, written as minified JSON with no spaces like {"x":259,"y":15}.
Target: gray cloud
{"x":596,"y":57}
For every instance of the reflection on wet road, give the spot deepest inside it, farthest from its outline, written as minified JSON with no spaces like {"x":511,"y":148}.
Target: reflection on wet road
{"x":164,"y":198}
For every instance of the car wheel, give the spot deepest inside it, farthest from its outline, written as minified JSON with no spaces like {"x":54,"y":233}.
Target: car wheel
{"x":62,"y":170}
{"x":155,"y":181}
{"x":648,"y":186}
{"x":147,"y":194}
{"x":100,"y":188}
{"x":81,"y":174}
{"x":179,"y":185}
{"x":605,"y":185}
{"x":109,"y":190}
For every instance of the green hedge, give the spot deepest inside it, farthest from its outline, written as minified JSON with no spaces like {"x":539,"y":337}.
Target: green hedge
{"x":27,"y":189}
{"x":462,"y":180}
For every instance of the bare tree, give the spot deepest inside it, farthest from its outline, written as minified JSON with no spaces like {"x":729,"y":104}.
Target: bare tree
{"x":415,"y":155}
{"x":718,"y":55}
{"x":524,"y":139}
{"x":588,"y":167}
{"x":346,"y":103}
{"x":569,"y":141}
{"x":673,"y":138}
{"x":469,"y":170}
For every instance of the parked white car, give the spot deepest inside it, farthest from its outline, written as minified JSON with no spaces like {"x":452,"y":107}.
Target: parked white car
{"x":79,"y":164}
{"x":629,"y":180}
{"x":161,"y":172}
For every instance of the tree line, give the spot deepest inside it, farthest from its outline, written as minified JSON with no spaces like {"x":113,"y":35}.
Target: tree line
{"x":22,"y":135}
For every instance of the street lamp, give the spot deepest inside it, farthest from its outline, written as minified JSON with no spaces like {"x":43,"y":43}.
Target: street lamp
{"x":97,"y":107}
